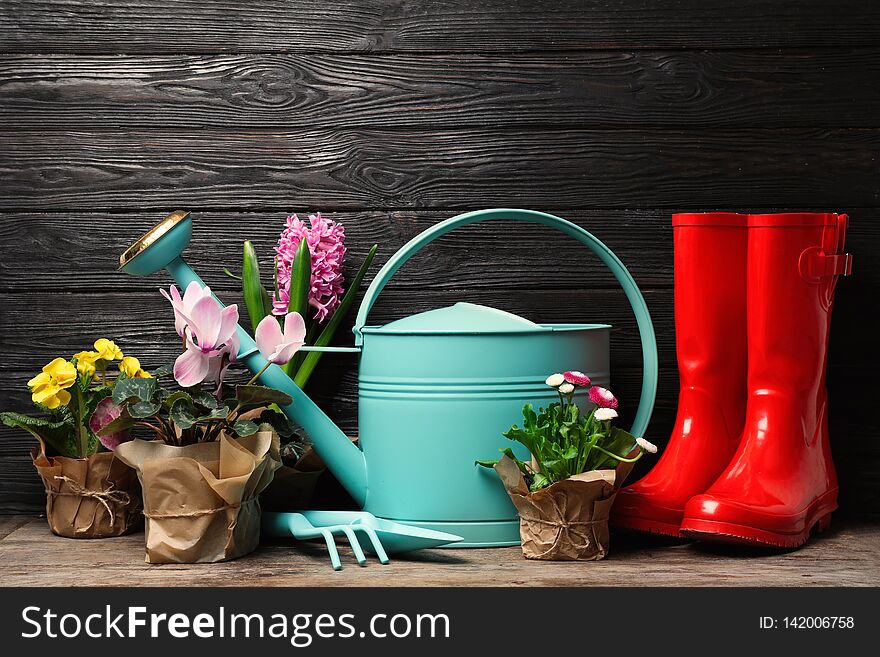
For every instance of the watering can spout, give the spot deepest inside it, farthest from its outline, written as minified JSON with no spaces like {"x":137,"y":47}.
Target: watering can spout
{"x":160,"y":248}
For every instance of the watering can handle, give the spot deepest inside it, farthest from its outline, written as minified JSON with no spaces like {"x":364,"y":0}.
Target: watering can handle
{"x":633,"y":294}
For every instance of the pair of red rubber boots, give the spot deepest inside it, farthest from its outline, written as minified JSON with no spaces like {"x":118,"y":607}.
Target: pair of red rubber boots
{"x":749,"y":459}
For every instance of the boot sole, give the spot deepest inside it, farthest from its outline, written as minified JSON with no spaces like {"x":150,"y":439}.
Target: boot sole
{"x":645,"y":526}
{"x":819,"y":518}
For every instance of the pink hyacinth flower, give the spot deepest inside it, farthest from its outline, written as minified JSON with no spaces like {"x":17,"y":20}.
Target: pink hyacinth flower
{"x":210,"y":336}
{"x":577,"y":378}
{"x":183,"y":305}
{"x":326,"y":240}
{"x":602,"y":397}
{"x":276,"y":346}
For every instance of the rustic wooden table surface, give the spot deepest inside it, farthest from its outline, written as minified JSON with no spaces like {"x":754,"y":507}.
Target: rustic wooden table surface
{"x":847,"y":555}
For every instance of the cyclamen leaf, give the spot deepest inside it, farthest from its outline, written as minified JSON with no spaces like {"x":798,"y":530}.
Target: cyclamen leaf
{"x":278,"y":421}
{"x":169,"y":400}
{"x":183,"y":414}
{"x":204,"y":398}
{"x":245,"y":428}
{"x":122,"y":423}
{"x":251,"y":396}
{"x":134,"y":389}
{"x":164,"y":370}
{"x":144,"y":409}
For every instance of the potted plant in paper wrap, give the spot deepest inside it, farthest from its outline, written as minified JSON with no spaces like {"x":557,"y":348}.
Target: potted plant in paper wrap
{"x":214,"y":449}
{"x":578,"y":462}
{"x":89,"y":492}
{"x":308,"y":279}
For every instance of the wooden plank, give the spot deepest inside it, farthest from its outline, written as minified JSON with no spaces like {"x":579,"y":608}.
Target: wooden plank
{"x":805,"y":88}
{"x":488,"y":255}
{"x":31,"y":556}
{"x":461,"y":168}
{"x":152,"y":26}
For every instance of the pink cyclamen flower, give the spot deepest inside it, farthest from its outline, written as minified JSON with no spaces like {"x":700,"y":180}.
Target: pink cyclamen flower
{"x":183,"y":305}
{"x":326,"y":240}
{"x":602,"y":397}
{"x":577,"y":378}
{"x":211,"y":341}
{"x":276,"y":346}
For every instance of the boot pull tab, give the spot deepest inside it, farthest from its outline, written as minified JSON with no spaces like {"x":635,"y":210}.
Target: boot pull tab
{"x":815,"y":264}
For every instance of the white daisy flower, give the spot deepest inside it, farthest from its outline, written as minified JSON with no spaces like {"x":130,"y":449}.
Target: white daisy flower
{"x":566,"y":388}
{"x":646,"y":446}
{"x":603,"y":414}
{"x":555,"y":380}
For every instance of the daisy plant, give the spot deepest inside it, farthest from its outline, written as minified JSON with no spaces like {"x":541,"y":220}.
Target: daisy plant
{"x":564,"y":441}
{"x":309,"y":280}
{"x":73,"y":394}
{"x":201,"y":407}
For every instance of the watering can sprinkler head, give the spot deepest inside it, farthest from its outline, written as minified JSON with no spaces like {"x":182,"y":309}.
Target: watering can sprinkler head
{"x":159,"y":246}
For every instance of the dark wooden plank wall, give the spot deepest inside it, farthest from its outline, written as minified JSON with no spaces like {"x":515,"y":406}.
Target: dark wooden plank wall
{"x":392,"y":116}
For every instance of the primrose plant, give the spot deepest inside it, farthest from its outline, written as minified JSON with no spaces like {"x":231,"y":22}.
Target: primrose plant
{"x":564,"y":441}
{"x":202,"y":408}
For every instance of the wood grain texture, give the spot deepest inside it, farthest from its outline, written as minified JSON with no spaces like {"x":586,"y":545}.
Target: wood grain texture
{"x":148,"y":26}
{"x":849,"y":555}
{"x":456,"y":168}
{"x":396,"y":115}
{"x":749,"y":88}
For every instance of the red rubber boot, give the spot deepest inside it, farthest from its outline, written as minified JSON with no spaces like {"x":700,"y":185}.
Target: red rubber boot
{"x":710,"y":330}
{"x":781,"y":482}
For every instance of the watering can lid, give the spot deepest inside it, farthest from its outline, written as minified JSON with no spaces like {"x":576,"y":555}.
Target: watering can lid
{"x":460,"y":318}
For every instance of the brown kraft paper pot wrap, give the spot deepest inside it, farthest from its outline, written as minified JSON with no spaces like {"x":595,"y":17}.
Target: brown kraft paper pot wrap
{"x":94,"y":497}
{"x":201,"y":501}
{"x":567,"y":520}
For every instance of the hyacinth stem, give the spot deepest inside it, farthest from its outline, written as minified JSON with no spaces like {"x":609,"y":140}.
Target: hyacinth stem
{"x":311,"y":360}
{"x":300,"y":286}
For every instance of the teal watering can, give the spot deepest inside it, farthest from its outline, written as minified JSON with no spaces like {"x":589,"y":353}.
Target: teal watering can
{"x":436,"y":389}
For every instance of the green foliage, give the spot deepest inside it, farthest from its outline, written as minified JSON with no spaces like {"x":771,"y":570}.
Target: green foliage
{"x":254,"y":292}
{"x":311,"y":360}
{"x":58,"y":434}
{"x":564,"y":442}
{"x":251,"y":396}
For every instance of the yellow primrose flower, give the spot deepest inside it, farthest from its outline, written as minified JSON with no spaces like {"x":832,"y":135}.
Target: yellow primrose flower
{"x":85,"y":362}
{"x":107,"y":349}
{"x":48,"y":387}
{"x":132,"y":367}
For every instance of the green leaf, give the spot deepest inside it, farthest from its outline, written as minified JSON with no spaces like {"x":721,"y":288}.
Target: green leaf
{"x":245,"y":428}
{"x":134,"y":389}
{"x":486,"y":464}
{"x":300,"y":286}
{"x":204,"y":398}
{"x":231,"y":275}
{"x":311,"y":361}
{"x":183,"y":414}
{"x":251,"y":286}
{"x":276,"y":418}
{"x":300,"y":279}
{"x":251,"y":396}
{"x":59,"y":435}
{"x":169,"y":400}
{"x":123,"y":423}
{"x":164,"y":370}
{"x":220,"y":413}
{"x":144,"y":409}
